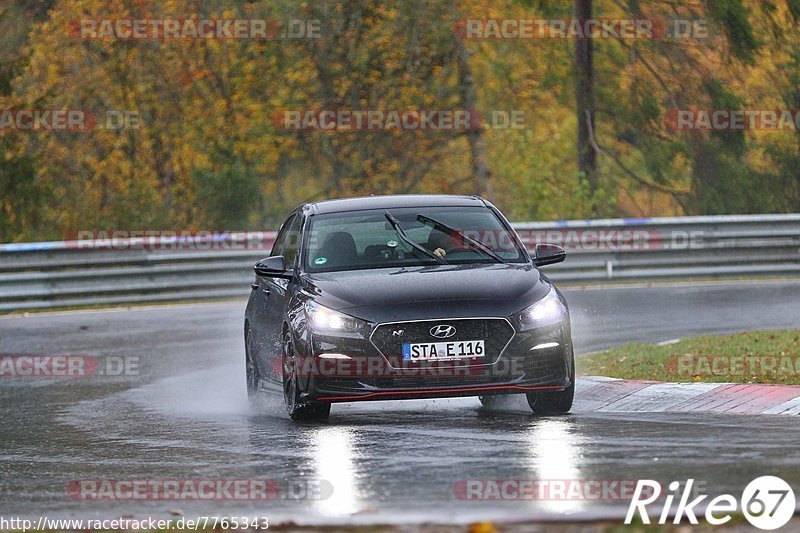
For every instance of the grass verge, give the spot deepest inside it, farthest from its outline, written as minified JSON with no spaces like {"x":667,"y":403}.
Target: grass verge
{"x":750,"y":357}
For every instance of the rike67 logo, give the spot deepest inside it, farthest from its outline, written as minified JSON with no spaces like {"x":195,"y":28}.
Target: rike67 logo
{"x":767,"y":503}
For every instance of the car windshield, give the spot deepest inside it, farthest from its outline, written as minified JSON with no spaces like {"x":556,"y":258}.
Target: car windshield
{"x":367,"y":239}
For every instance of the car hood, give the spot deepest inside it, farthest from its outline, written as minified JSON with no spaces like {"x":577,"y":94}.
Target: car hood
{"x":441,"y":291}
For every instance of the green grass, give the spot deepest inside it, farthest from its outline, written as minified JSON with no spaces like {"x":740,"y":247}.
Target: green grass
{"x":751,"y":357}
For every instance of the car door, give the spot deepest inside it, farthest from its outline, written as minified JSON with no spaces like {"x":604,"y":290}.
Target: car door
{"x":272,"y":295}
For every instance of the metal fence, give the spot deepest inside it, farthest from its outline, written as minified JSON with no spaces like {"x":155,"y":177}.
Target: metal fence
{"x":139,"y":270}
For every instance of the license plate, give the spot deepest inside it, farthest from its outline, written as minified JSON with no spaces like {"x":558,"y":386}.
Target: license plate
{"x":425,"y":351}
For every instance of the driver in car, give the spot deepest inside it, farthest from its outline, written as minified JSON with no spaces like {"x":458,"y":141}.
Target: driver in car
{"x":441,"y":242}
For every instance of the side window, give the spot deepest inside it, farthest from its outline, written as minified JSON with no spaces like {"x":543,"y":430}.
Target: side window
{"x":283,"y":235}
{"x":286,"y":244}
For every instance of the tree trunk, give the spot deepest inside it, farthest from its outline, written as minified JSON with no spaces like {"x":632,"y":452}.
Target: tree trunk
{"x":584,"y":99}
{"x":477,"y":142}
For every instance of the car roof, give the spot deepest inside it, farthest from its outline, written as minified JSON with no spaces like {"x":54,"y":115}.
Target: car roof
{"x":392,"y":201}
{"x":362,"y":203}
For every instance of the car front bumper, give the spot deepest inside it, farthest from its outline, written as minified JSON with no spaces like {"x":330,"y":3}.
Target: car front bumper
{"x":355,"y":369}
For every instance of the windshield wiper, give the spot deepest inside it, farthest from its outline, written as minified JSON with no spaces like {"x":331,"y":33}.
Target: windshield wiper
{"x":402,"y":234}
{"x":453,"y":231}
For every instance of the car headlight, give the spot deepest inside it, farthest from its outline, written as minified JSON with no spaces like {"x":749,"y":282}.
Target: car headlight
{"x":324,"y":320}
{"x":548,"y":310}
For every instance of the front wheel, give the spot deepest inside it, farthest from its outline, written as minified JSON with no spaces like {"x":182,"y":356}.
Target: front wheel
{"x":252,"y":376}
{"x":490,"y":402}
{"x":299,"y":409}
{"x":554,"y":403}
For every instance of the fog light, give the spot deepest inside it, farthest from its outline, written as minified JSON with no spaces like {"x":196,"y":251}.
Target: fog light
{"x":333,"y":356}
{"x":545,"y":346}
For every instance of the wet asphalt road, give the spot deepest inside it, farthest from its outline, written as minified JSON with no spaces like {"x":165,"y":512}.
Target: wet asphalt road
{"x":185,"y":416}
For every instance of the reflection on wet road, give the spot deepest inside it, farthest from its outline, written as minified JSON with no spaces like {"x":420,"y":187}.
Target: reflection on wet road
{"x":186,"y":417}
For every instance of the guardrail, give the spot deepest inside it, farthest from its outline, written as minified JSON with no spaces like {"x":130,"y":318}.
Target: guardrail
{"x":96,"y":272}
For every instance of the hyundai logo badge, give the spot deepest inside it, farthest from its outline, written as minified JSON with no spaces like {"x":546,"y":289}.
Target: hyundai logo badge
{"x":443,"y":331}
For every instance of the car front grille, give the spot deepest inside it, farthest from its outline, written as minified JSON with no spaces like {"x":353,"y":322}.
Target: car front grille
{"x":495,"y":332}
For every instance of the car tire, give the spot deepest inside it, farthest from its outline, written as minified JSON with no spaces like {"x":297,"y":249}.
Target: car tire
{"x":554,"y":403}
{"x":490,"y":402}
{"x":252,"y":376}
{"x":298,"y":409}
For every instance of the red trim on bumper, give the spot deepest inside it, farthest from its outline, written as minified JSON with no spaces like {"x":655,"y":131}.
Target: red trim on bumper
{"x":434,"y":391}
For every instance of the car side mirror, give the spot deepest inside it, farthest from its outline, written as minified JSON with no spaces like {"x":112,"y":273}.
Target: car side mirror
{"x":273,"y":267}
{"x":547,"y":254}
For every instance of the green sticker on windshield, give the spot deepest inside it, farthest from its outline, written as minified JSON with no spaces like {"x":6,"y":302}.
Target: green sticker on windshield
{"x":320,"y":260}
